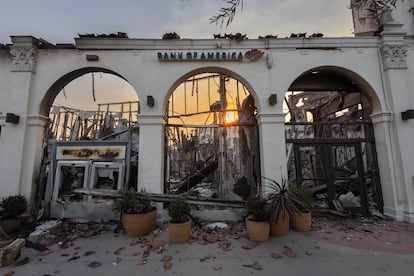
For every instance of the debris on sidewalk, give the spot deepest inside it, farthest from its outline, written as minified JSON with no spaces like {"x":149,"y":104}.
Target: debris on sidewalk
{"x":43,"y":230}
{"x":12,"y":252}
{"x":369,"y":233}
{"x":248,"y":244}
{"x":207,"y":258}
{"x":166,"y":260}
{"x":217,"y":225}
{"x":94,"y":264}
{"x":276,"y":255}
{"x":217,"y":268}
{"x":289,"y":252}
{"x":255,"y":266}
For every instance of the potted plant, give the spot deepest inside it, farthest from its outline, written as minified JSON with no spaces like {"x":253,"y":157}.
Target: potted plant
{"x":138,"y":215}
{"x":11,"y":207}
{"x":179,"y":225}
{"x":303,"y":198}
{"x":257,"y":221}
{"x":282,"y":206}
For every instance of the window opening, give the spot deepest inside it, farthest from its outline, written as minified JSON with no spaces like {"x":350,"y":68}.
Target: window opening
{"x":212,"y":139}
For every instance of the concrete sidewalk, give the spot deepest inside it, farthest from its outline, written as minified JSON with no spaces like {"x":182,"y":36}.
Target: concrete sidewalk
{"x":108,"y":253}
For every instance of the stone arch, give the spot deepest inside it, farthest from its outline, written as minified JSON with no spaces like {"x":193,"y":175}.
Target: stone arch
{"x":211,"y":69}
{"x":59,"y":84}
{"x":330,"y":137}
{"x":347,"y":79}
{"x":216,"y":149}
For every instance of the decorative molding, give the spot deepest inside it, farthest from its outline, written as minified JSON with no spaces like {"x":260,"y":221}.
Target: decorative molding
{"x":382,"y":117}
{"x":37,"y":120}
{"x":24,"y":58}
{"x":267,"y":118}
{"x":394,"y":56}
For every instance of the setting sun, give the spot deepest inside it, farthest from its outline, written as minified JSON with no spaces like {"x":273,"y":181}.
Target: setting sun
{"x":230,"y":117}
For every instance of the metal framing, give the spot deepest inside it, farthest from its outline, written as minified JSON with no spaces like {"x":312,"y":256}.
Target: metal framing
{"x":362,"y":175}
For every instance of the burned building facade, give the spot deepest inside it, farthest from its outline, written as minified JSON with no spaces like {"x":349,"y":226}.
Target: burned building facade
{"x":332,"y":113}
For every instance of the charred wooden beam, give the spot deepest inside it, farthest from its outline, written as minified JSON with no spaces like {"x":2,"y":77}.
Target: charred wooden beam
{"x":188,"y":183}
{"x":167,"y":198}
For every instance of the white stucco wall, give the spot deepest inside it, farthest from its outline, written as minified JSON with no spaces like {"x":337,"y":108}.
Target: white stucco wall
{"x":23,"y":92}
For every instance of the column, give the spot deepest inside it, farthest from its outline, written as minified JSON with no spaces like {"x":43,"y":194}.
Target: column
{"x":272,"y":147}
{"x":17,"y":178}
{"x":151,"y":154}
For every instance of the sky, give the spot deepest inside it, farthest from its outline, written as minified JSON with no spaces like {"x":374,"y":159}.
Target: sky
{"x":59,"y":21}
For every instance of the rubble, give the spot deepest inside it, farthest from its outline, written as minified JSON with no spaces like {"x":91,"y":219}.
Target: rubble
{"x":367,"y":233}
{"x":349,"y":200}
{"x":12,"y":252}
{"x":373,"y":233}
{"x":219,"y":225}
{"x":43,"y":230}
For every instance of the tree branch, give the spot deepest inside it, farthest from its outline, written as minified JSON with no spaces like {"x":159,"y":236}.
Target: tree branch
{"x":227,"y":12}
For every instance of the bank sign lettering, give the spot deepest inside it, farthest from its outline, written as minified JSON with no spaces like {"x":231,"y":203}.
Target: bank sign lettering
{"x":253,"y":54}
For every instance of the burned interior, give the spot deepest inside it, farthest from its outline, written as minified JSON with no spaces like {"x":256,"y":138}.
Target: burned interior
{"x":89,"y":151}
{"x":212,"y":139}
{"x":211,"y":145}
{"x":330,"y":142}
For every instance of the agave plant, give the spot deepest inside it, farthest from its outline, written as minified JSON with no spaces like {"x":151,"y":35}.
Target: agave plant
{"x":303,"y":195}
{"x":280,"y":200}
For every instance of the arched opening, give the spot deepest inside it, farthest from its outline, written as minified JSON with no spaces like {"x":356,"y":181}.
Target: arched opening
{"x":92,"y":142}
{"x":330,"y":140}
{"x":92,"y":107}
{"x":211,"y":137}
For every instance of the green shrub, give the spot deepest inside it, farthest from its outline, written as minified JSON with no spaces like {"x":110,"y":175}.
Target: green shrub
{"x":179,"y":210}
{"x":258,"y":209}
{"x":13,"y":206}
{"x":131,"y":203}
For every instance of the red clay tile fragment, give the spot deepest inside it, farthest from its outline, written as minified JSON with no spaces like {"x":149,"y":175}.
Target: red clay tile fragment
{"x":167,"y":265}
{"x":157,"y":244}
{"x":290,"y":253}
{"x":119,"y":250}
{"x":211,"y":238}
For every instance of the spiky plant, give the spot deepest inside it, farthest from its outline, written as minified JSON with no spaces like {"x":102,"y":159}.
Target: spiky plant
{"x":280,"y":200}
{"x":304,"y":195}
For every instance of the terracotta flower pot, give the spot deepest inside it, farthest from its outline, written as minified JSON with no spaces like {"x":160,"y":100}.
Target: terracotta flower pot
{"x":303,"y":222}
{"x":138,"y":225}
{"x":257,"y":231}
{"x":179,"y":232}
{"x":280,"y":227}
